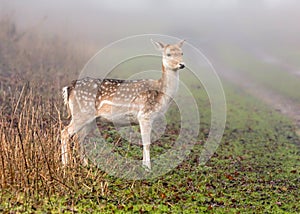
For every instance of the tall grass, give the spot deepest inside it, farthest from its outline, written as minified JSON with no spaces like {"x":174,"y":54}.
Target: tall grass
{"x":32,"y":71}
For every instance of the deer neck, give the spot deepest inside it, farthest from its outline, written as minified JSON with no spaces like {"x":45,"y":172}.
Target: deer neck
{"x":169,"y":82}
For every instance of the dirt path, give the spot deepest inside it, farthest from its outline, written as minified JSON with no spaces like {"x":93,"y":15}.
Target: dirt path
{"x":276,"y":101}
{"x":273,"y":60}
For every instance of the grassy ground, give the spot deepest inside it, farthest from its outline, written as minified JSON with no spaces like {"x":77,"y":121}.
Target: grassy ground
{"x":255,"y":169}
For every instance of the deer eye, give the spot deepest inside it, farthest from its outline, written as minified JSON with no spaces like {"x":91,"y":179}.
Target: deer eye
{"x":181,"y":54}
{"x":168,"y":54}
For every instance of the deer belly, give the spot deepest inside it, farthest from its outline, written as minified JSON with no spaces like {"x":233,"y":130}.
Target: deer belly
{"x":120,"y":119}
{"x":118,"y":114}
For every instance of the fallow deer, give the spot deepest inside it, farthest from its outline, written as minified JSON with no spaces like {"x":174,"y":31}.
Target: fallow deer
{"x":120,"y":101}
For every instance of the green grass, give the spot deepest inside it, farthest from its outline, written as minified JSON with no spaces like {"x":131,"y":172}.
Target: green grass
{"x":255,"y":169}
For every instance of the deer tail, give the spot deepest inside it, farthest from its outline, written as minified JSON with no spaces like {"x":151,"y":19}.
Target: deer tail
{"x":66,"y":94}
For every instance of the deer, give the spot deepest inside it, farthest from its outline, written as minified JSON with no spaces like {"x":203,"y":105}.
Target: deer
{"x":119,"y":101}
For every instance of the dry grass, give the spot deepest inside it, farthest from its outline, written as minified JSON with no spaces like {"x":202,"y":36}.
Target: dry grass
{"x":32,"y":71}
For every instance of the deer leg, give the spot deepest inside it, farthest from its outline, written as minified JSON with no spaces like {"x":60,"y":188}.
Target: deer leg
{"x":64,"y":146}
{"x":68,"y":132}
{"x":145,"y":126}
{"x":82,"y":134}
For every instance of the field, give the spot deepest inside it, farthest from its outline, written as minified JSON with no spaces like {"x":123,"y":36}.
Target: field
{"x":255,"y":169}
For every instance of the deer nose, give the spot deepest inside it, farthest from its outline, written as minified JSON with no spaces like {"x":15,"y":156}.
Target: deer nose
{"x":181,"y":65}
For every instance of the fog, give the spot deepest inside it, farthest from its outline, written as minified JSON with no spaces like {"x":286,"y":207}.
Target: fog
{"x":199,"y":22}
{"x":266,"y":31}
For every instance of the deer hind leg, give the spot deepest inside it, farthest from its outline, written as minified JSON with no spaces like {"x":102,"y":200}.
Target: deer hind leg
{"x":145,"y":125}
{"x":64,"y":146}
{"x":68,"y":132}
{"x":82,"y":134}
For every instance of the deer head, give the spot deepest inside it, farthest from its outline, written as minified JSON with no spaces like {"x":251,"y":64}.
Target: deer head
{"x":172,"y":55}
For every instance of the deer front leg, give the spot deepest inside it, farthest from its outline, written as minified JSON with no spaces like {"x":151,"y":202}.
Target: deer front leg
{"x":145,"y":126}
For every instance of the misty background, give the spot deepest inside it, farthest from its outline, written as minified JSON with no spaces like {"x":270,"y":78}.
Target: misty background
{"x":254,"y":23}
{"x":253,"y":44}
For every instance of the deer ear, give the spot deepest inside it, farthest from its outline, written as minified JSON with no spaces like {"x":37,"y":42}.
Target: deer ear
{"x":181,"y":43}
{"x":159,"y":46}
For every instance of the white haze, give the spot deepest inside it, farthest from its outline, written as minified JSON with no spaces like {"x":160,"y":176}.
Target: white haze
{"x":263,"y":25}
